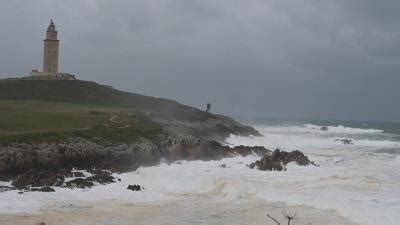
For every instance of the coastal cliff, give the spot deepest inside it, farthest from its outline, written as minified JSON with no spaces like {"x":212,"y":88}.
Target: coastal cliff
{"x":49,"y":127}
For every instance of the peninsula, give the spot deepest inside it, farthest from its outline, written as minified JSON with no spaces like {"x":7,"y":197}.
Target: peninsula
{"x":53,"y":124}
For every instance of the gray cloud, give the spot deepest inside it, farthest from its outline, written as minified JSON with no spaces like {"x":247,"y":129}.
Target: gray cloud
{"x":326,"y":59}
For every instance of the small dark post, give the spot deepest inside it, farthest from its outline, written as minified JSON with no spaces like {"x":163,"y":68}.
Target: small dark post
{"x":208,"y":107}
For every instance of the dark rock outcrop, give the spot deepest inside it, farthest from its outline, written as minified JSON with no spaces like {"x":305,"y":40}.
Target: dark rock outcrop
{"x":324,"y":128}
{"x":38,"y":178}
{"x":98,"y":176}
{"x":79,"y":183}
{"x":39,"y":165}
{"x":278,"y":160}
{"x":134,"y":187}
{"x":43,"y":189}
{"x":252,"y":165}
{"x":101,"y":177}
{"x":345,"y":141}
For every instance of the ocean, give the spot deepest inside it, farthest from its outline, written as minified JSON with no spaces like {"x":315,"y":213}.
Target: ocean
{"x":356,"y":183}
{"x":360,"y":181}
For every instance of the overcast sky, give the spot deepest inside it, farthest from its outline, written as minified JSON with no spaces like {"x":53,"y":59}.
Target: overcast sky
{"x":315,"y":59}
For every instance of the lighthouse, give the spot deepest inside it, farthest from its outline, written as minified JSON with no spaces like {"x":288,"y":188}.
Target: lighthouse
{"x":51,"y":49}
{"x":50,"y":58}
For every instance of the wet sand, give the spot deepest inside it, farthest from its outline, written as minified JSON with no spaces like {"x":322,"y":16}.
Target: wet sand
{"x":197,"y":210}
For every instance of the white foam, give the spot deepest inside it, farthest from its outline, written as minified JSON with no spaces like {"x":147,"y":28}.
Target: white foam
{"x":352,"y":179}
{"x":342,"y":129}
{"x":312,"y":140}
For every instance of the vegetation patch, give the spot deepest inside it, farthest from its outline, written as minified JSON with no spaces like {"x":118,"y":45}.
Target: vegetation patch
{"x":24,"y":121}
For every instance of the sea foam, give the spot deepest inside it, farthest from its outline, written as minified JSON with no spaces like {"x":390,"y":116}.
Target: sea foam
{"x":353,"y":180}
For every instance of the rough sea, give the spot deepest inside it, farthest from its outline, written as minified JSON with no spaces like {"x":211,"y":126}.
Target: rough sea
{"x":356,"y":183}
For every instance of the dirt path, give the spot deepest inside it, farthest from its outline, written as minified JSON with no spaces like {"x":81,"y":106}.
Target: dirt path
{"x":113,"y":119}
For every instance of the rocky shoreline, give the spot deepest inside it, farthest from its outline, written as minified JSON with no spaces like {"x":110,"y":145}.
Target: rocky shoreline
{"x":45,"y":165}
{"x":38,"y":167}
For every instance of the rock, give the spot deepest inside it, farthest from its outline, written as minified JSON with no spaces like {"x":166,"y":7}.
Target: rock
{"x":190,"y":148}
{"x":251,"y":165}
{"x":102,"y":177}
{"x":223,"y":166}
{"x":79,"y":183}
{"x":43,"y":189}
{"x":246,"y":150}
{"x":279,"y":159}
{"x":6,"y":188}
{"x":38,"y":178}
{"x":134,"y":187}
{"x":345,"y":141}
{"x":324,"y":128}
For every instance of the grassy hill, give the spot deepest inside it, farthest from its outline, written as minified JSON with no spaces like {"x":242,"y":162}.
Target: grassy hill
{"x":84,"y":92}
{"x":52,"y":110}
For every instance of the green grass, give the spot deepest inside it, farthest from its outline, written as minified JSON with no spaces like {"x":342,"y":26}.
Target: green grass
{"x":53,"y":110}
{"x":84,"y":92}
{"x":45,"y":121}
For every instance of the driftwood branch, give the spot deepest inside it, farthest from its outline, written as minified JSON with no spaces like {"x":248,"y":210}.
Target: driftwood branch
{"x":272,"y":218}
{"x":289,"y":216}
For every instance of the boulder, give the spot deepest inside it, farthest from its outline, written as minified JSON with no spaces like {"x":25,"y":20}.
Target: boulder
{"x":324,"y":128}
{"x":134,"y":187}
{"x":101,"y":177}
{"x":79,"y":183}
{"x":252,"y":165}
{"x":279,"y":159}
{"x":38,"y":178}
{"x":345,"y":141}
{"x":43,"y":189}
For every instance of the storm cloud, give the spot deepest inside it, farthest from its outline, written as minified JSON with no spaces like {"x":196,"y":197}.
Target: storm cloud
{"x":306,"y":59}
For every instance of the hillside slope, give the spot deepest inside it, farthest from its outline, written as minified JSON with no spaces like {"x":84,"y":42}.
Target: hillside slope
{"x":77,"y":91}
{"x":57,"y":99}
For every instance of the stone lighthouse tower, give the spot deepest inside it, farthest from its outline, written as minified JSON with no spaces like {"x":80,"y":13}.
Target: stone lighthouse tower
{"x":50,"y":54}
{"x":50,"y":59}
